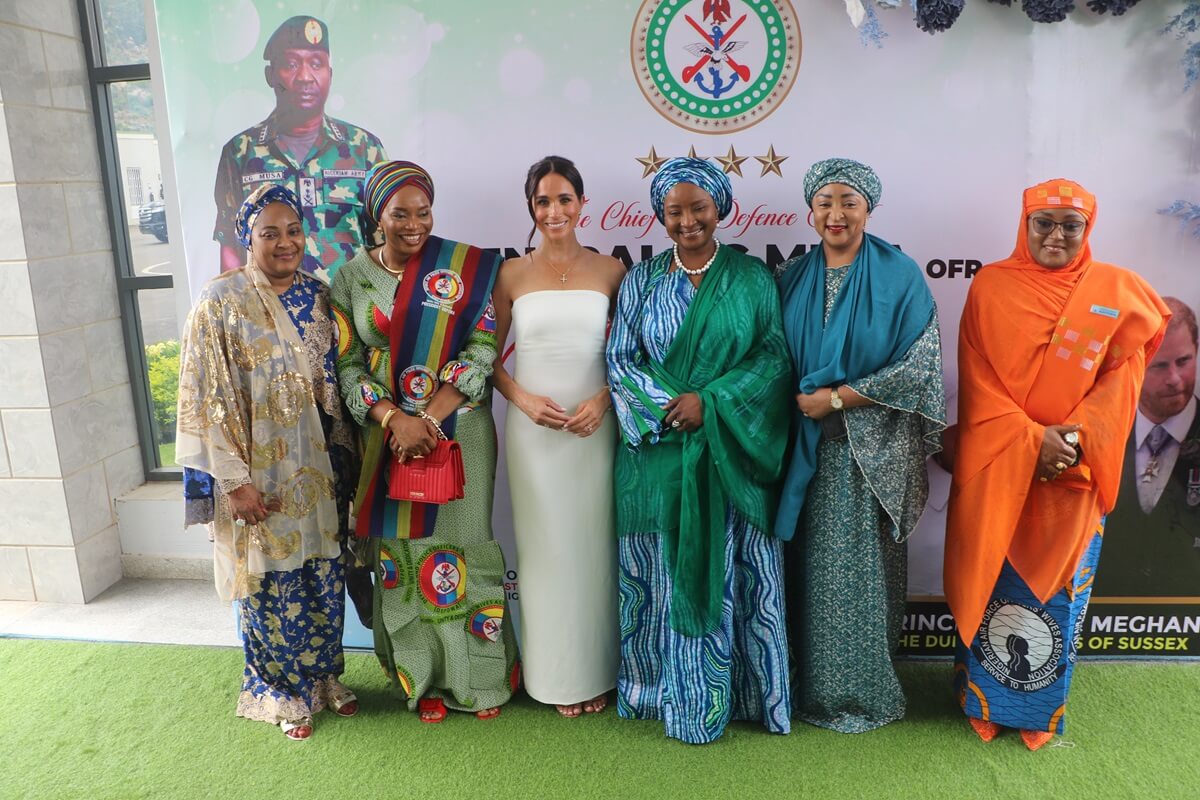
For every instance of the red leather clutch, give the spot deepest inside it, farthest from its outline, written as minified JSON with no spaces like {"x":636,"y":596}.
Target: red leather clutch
{"x":437,"y":478}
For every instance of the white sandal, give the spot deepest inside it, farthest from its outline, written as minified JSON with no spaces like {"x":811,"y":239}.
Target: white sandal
{"x":294,"y":729}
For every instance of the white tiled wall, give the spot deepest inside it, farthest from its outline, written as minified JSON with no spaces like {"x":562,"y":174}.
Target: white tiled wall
{"x":68,"y":439}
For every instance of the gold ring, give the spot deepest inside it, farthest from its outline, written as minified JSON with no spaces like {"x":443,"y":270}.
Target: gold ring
{"x":1060,"y":466}
{"x":1043,"y":480}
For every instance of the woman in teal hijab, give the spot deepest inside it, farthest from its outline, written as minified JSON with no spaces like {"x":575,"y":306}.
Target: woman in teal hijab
{"x":862,"y":331}
{"x":700,"y":383}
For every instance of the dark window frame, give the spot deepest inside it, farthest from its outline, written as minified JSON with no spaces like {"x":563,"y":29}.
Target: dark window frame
{"x":129,"y":283}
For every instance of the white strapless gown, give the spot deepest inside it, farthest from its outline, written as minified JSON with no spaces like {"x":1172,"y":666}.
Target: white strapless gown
{"x":562,"y":502}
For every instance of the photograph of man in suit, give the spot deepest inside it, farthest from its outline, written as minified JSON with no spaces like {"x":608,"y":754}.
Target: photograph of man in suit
{"x":1152,"y":537}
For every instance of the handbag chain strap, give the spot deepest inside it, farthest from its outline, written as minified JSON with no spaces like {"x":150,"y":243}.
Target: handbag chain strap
{"x":433,"y":421}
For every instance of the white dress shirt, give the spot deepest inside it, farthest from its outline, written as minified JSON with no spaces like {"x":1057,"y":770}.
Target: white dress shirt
{"x":1150,"y":489}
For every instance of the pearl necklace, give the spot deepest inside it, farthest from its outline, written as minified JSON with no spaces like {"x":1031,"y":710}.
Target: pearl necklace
{"x":703,"y":269}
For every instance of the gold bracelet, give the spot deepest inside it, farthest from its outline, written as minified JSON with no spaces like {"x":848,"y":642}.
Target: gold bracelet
{"x":383,"y":423}
{"x":433,"y":420}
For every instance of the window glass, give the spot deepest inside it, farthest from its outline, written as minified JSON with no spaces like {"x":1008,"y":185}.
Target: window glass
{"x":160,"y":337}
{"x":122,"y":32}
{"x":141,"y":170}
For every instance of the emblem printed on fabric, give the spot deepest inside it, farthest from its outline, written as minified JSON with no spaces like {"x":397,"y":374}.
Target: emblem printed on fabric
{"x":1019,"y":646}
{"x":443,"y":288}
{"x":417,"y":384}
{"x":715,"y":66}
{"x":308,"y":191}
{"x":312,"y":31}
{"x":388,"y":575}
{"x":486,"y":621}
{"x":443,"y":578}
{"x":360,"y":174}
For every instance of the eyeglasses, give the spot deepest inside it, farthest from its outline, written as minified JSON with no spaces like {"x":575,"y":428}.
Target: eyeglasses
{"x":1071,"y":229}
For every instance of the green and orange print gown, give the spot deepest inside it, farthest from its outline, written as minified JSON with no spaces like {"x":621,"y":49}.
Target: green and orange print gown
{"x":440,"y":611}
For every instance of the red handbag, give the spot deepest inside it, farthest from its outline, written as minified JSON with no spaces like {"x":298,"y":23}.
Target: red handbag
{"x":437,"y":478}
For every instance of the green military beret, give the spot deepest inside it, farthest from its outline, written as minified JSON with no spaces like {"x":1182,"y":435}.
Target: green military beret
{"x":298,"y":33}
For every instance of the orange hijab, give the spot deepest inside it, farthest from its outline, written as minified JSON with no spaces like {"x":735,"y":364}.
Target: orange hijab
{"x":1041,"y":347}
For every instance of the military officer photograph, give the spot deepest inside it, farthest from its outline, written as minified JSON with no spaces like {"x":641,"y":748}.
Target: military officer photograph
{"x":1152,"y":537}
{"x":321,"y":159}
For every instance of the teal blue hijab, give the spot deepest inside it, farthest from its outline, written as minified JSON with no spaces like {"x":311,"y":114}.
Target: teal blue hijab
{"x":882,"y":308}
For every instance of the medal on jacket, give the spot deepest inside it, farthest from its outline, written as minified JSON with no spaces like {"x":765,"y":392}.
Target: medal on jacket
{"x":1193,"y":483}
{"x":1151,"y":471}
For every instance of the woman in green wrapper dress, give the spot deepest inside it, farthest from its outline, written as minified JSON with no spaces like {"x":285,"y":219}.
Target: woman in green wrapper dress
{"x":416,"y":342}
{"x":700,"y":382}
{"x":862,"y":330}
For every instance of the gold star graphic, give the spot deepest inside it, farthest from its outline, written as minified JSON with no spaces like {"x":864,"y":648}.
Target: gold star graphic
{"x":732,"y":162}
{"x":692,"y":154}
{"x":651,"y":163}
{"x":770,"y":162}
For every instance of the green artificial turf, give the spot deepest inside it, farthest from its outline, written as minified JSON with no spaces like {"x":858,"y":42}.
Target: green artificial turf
{"x":93,"y":720}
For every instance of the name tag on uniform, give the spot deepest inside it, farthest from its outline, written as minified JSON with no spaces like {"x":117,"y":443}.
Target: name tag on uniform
{"x":262,"y":177}
{"x":360,"y":174}
{"x":1105,"y":311}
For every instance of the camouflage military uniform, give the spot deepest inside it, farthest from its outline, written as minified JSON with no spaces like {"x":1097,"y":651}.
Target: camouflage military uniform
{"x":329,"y":185}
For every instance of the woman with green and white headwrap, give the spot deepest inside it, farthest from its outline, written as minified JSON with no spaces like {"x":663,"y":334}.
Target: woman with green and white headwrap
{"x":862,"y":330}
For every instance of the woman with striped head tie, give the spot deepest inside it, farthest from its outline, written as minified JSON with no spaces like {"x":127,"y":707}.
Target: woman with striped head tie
{"x":1052,"y":350}
{"x":869,"y":408}
{"x":699,"y":376}
{"x":416,"y":343}
{"x":259,"y":412}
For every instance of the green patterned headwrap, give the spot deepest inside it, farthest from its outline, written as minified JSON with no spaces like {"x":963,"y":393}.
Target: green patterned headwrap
{"x":854,"y":174}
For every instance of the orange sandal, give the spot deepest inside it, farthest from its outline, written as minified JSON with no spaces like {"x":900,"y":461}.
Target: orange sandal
{"x":1035,"y":739}
{"x":984,"y":729}
{"x":432,"y":709}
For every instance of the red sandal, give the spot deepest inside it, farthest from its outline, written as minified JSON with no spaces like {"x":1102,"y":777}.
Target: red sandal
{"x":432,"y":709}
{"x":488,"y":713}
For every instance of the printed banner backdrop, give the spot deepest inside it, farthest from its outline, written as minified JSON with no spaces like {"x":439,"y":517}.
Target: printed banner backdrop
{"x":955,"y":124}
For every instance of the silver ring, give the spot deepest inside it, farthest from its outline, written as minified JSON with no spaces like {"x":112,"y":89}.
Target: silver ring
{"x":241,"y":523}
{"x":675,"y":423}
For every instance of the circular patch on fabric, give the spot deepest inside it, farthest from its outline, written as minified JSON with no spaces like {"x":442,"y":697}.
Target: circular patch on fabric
{"x":444,"y":286}
{"x":418,"y":383}
{"x":715,"y":66}
{"x":487,"y":622}
{"x":1020,"y":646}
{"x":345,"y":335}
{"x":443,"y":578}
{"x":387,"y":569}
{"x":406,"y":682}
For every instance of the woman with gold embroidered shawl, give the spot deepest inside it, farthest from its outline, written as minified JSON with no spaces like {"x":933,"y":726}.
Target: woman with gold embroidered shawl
{"x":862,"y":330}
{"x":1052,"y":351}
{"x":416,"y":342}
{"x":259,"y":411}
{"x":699,"y":375}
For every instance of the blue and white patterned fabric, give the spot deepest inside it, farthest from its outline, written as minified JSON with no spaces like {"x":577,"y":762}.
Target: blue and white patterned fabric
{"x":291,"y":629}
{"x":696,"y":685}
{"x":1018,"y":670}
{"x":669,"y":294}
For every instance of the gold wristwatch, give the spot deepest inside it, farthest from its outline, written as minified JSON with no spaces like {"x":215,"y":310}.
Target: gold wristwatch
{"x":835,"y":400}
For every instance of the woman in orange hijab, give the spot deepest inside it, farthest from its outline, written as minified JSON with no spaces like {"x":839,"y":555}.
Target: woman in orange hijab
{"x":1051,"y":353}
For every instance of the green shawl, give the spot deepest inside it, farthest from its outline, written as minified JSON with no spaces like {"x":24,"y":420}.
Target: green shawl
{"x":730,"y":351}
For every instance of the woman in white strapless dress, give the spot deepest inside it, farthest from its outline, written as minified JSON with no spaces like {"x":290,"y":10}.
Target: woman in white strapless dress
{"x":559,"y":439}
